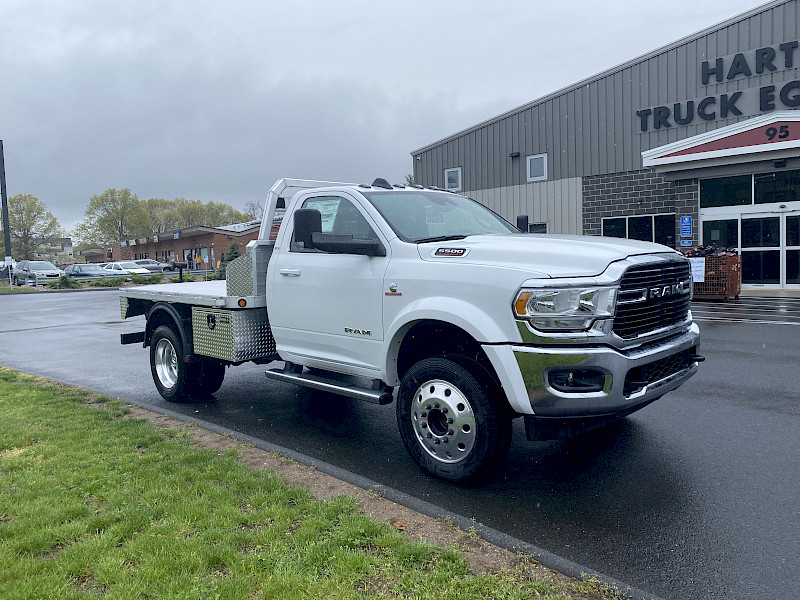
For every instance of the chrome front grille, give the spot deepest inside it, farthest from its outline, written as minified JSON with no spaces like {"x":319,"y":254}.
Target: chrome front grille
{"x":652,"y":296}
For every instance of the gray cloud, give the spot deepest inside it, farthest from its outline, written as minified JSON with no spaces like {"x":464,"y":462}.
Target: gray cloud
{"x":216,"y":100}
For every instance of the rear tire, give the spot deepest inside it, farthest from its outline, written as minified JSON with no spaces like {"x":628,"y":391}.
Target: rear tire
{"x":452,"y":420}
{"x":171,"y":373}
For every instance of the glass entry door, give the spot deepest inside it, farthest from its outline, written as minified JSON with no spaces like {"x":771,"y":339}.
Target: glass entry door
{"x":761,"y":249}
{"x":770,"y":245}
{"x":792,"y":228}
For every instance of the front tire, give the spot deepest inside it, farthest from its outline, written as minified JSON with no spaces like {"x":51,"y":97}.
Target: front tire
{"x":452,"y":422}
{"x":170,"y":371}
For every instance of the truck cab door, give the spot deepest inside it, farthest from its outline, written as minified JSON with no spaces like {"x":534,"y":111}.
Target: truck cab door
{"x":326,"y":309}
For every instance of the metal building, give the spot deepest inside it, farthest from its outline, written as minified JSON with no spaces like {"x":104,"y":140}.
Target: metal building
{"x":694,"y":143}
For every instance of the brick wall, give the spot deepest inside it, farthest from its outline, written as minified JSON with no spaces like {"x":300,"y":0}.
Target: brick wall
{"x":638,"y":193}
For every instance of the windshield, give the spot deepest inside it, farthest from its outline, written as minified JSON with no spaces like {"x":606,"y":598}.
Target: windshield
{"x":427,"y":216}
{"x":40,"y":265}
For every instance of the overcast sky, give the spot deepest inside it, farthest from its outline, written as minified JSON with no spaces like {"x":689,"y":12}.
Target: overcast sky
{"x":215,"y":100}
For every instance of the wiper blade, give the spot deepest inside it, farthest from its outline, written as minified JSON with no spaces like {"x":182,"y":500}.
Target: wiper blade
{"x":440,"y":238}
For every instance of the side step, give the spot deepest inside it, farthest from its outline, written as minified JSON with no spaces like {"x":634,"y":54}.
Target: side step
{"x":382,"y":395}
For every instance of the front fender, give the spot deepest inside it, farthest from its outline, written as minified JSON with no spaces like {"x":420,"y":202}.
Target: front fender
{"x":468,"y":317}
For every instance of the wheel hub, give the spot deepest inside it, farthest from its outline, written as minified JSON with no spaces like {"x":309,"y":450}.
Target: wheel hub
{"x":443,"y":421}
{"x":166,"y":363}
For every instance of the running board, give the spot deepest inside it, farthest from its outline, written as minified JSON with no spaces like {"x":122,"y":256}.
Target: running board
{"x":378,"y":396}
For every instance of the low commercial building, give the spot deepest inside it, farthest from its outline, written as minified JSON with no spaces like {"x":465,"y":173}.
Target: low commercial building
{"x":198,"y":247}
{"x":694,"y":143}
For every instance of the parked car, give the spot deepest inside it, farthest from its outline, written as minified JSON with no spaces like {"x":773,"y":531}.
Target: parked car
{"x":127,"y":267}
{"x":153,"y":265}
{"x":36,"y":270}
{"x":86,"y":271}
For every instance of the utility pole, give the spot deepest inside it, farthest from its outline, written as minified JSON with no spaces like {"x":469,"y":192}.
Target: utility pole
{"x":6,"y":228}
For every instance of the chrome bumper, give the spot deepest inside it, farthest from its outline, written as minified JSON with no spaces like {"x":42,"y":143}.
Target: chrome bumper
{"x":535,"y":364}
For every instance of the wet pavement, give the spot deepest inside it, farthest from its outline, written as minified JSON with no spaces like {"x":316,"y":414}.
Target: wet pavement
{"x":695,"y":496}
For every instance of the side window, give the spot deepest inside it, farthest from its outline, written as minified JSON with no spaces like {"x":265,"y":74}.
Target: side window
{"x":340,"y":216}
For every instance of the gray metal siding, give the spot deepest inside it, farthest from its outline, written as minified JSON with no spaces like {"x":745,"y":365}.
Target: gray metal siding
{"x":592,"y":128}
{"x":557,"y":203}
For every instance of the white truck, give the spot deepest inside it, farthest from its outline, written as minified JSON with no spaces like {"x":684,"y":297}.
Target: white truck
{"x":361,"y":289}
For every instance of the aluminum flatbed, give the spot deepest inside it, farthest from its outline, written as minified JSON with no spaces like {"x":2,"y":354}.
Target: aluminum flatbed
{"x":196,"y":293}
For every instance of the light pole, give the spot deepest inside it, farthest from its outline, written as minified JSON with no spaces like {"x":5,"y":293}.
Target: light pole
{"x":6,"y":228}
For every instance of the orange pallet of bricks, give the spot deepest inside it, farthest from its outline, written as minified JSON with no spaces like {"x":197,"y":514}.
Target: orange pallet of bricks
{"x":723,"y":278}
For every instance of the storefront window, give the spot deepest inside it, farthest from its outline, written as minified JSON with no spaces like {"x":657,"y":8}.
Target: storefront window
{"x":615,"y":228}
{"x":640,"y":228}
{"x":726,"y":191}
{"x":783,"y":186}
{"x":665,"y":230}
{"x":721,"y":233}
{"x":647,"y":228}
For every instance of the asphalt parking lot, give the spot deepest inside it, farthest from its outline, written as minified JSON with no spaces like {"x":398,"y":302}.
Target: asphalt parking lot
{"x":770,"y":311}
{"x":694,"y":496}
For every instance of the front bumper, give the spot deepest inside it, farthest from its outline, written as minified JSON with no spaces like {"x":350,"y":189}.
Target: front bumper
{"x":526,"y":369}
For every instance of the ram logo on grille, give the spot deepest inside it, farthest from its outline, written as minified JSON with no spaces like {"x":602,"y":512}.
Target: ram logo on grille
{"x":682,"y":287}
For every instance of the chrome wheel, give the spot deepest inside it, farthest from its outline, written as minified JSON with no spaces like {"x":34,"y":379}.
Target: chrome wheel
{"x":166,"y":363}
{"x":443,"y":421}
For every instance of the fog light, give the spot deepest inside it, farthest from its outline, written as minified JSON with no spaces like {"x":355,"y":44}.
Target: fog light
{"x":577,"y":380}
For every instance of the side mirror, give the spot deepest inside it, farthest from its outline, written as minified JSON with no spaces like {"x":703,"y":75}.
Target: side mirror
{"x":307,"y":221}
{"x":522,"y":223}
{"x":341,"y":243}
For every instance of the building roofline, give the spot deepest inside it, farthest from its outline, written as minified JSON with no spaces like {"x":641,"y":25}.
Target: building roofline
{"x":621,"y":67}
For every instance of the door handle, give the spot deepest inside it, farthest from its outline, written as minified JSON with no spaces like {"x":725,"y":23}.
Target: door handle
{"x":290,"y":272}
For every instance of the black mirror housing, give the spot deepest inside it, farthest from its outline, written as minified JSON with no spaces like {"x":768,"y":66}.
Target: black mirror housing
{"x":307,"y":221}
{"x":347,"y":244}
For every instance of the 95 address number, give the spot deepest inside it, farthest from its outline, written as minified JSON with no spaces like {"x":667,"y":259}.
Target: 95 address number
{"x":781,"y":132}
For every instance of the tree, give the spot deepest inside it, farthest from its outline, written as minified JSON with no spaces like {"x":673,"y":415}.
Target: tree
{"x":161,"y":215}
{"x":231,"y":255}
{"x":190,"y":212}
{"x":219,"y":213}
{"x":409,"y":179}
{"x":111,"y":216}
{"x":34,"y":230}
{"x":119,"y":214}
{"x":253,"y":210}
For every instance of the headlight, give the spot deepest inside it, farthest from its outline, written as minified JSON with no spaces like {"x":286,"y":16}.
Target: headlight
{"x":565,"y":309}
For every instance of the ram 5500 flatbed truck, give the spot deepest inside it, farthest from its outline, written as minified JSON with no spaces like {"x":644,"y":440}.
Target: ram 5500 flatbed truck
{"x":430,"y":293}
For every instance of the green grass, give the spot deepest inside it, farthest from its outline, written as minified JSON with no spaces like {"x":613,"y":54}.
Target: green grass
{"x":5,"y":288}
{"x":94,"y":505}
